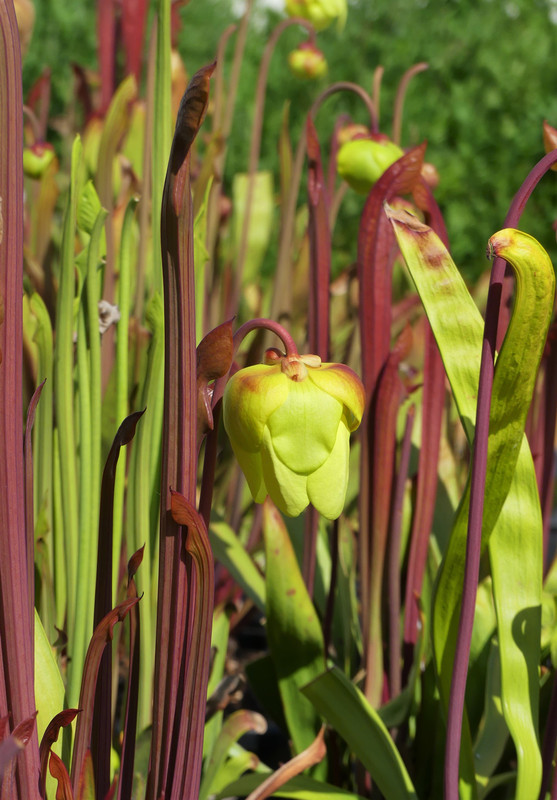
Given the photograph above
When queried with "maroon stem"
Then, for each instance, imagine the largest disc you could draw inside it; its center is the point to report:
(270, 325)
(330, 607)
(399, 100)
(311, 522)
(348, 86)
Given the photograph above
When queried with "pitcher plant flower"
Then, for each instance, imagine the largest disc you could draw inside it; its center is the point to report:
(321, 13)
(362, 160)
(289, 422)
(307, 61)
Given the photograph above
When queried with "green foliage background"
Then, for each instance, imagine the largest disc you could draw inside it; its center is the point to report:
(492, 81)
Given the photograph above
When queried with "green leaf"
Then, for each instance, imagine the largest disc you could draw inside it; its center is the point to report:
(293, 629)
(88, 208)
(229, 550)
(346, 709)
(200, 258)
(260, 221)
(236, 725)
(300, 788)
(49, 689)
(493, 734)
(512, 516)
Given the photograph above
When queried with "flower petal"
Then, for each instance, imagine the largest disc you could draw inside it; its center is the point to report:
(342, 383)
(286, 489)
(250, 464)
(327, 486)
(304, 427)
(250, 397)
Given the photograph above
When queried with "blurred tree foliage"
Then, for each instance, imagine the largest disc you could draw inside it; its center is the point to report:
(491, 82)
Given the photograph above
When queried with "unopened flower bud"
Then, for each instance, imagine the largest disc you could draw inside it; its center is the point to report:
(307, 61)
(430, 175)
(321, 13)
(37, 159)
(289, 423)
(354, 130)
(361, 162)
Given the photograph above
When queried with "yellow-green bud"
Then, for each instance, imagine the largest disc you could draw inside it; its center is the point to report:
(319, 12)
(307, 61)
(289, 423)
(37, 159)
(361, 162)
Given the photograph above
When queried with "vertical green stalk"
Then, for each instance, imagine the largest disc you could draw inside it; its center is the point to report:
(89, 383)
(143, 488)
(63, 387)
(122, 366)
(42, 430)
(60, 579)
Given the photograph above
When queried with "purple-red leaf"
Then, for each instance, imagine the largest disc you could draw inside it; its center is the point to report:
(179, 443)
(376, 251)
(134, 13)
(214, 357)
(125, 782)
(375, 241)
(102, 635)
(86, 786)
(106, 38)
(49, 737)
(390, 392)
(426, 490)
(134, 563)
(16, 741)
(60, 774)
(101, 731)
(16, 667)
(197, 655)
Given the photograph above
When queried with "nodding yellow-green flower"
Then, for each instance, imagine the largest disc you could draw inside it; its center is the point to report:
(362, 161)
(289, 423)
(307, 61)
(319, 12)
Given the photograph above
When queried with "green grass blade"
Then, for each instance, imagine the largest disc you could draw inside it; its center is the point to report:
(142, 502)
(63, 387)
(346, 709)
(122, 368)
(89, 389)
(42, 430)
